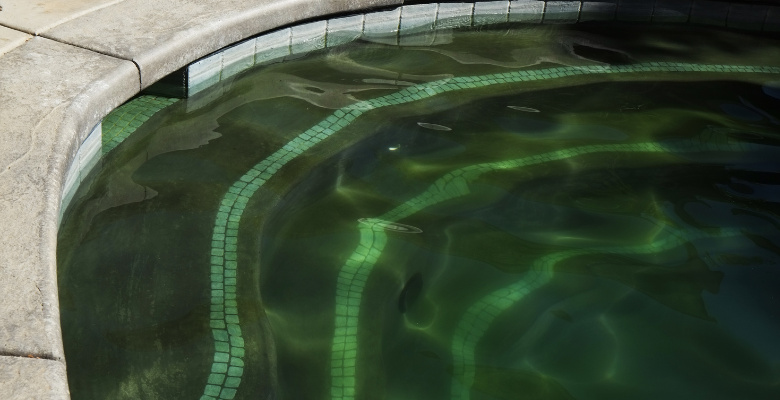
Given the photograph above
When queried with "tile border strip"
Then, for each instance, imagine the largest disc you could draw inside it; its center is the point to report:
(353, 275)
(391, 27)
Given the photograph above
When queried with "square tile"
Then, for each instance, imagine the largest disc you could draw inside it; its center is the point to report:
(529, 11)
(238, 58)
(490, 12)
(454, 15)
(417, 25)
(597, 11)
(561, 12)
(418, 18)
(90, 152)
(70, 185)
(273, 47)
(204, 73)
(382, 27)
(672, 10)
(344, 30)
(308, 37)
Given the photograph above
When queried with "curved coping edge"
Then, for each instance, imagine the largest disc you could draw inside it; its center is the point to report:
(191, 44)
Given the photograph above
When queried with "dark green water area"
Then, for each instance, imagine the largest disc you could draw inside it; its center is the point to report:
(606, 230)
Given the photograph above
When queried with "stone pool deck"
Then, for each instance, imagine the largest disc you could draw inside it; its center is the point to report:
(64, 64)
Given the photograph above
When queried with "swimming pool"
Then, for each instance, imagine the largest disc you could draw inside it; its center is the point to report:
(600, 121)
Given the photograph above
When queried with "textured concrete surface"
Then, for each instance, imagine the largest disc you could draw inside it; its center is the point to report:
(10, 39)
(41, 132)
(35, 17)
(24, 378)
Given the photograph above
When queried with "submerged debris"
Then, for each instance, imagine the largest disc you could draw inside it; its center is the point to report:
(389, 225)
(435, 127)
(525, 109)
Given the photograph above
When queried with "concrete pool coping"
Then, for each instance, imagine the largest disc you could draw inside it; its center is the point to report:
(66, 65)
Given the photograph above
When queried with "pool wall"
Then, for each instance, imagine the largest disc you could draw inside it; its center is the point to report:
(415, 25)
(406, 25)
(64, 65)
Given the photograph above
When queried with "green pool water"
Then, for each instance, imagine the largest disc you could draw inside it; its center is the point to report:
(568, 213)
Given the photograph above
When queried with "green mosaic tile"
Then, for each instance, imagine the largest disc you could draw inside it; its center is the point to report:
(216, 379)
(227, 393)
(219, 368)
(212, 390)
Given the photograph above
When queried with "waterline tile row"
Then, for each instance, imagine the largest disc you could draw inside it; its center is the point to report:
(117, 126)
(417, 25)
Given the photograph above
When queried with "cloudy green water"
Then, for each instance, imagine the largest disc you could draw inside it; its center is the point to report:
(590, 236)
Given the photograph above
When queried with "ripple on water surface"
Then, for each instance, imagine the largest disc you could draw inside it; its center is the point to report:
(568, 237)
